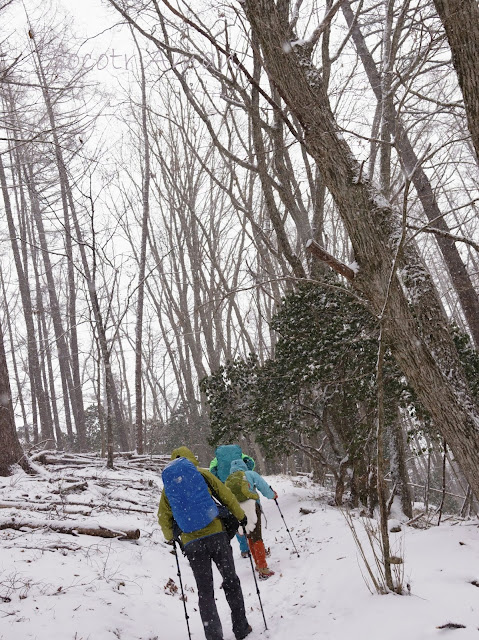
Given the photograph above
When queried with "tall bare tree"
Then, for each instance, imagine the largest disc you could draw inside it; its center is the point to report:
(461, 23)
(145, 198)
(11, 452)
(39, 394)
(460, 277)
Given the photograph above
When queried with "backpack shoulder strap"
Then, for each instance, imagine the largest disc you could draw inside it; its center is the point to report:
(212, 489)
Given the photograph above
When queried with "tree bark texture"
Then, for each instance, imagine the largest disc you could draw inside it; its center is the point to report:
(73, 528)
(11, 452)
(46, 424)
(460, 278)
(415, 325)
(20, 391)
(460, 19)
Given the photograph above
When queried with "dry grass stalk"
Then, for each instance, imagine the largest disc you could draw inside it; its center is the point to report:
(374, 576)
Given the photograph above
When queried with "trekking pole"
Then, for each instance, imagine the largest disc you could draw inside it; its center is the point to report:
(292, 541)
(182, 592)
(256, 582)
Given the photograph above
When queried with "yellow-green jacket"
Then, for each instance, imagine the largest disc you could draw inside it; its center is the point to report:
(239, 487)
(165, 515)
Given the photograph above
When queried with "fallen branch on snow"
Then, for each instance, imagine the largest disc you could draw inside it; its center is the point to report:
(88, 528)
(47, 506)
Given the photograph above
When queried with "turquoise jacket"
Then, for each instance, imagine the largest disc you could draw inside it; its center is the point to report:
(256, 482)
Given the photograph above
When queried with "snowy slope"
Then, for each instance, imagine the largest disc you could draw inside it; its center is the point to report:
(61, 587)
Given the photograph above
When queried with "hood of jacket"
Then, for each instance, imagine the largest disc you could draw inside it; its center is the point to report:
(184, 452)
(238, 465)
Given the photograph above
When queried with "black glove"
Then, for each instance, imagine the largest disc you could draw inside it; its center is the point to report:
(243, 522)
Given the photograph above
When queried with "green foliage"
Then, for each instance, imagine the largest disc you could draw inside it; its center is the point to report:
(325, 361)
(230, 393)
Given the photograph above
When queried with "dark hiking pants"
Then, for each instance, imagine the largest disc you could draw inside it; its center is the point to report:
(200, 554)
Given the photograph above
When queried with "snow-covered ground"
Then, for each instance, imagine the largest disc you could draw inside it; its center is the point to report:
(62, 587)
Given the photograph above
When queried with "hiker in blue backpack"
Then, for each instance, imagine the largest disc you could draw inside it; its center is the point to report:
(186, 501)
(220, 467)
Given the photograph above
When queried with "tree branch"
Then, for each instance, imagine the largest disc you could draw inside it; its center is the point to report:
(330, 260)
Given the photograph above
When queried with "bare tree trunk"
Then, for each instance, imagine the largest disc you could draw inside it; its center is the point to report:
(466, 506)
(427, 484)
(443, 494)
(21, 400)
(10, 452)
(109, 417)
(461, 23)
(386, 103)
(399, 473)
(63, 355)
(383, 512)
(102, 336)
(145, 196)
(99, 404)
(34, 362)
(43, 339)
(271, 207)
(460, 278)
(67, 364)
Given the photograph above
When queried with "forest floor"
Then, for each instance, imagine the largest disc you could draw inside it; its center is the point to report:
(58, 586)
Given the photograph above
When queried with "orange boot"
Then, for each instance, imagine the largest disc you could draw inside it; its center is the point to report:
(259, 554)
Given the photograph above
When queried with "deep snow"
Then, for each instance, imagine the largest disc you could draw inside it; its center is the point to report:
(99, 589)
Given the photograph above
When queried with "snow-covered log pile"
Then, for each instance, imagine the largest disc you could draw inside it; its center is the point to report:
(88, 527)
(75, 494)
(126, 459)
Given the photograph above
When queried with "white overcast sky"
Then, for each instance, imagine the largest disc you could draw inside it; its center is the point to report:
(107, 50)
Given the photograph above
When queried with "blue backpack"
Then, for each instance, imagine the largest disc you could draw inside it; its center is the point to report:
(191, 503)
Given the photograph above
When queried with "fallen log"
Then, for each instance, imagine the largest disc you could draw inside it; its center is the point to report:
(46, 547)
(70, 462)
(84, 510)
(79, 486)
(131, 455)
(47, 456)
(75, 528)
(47, 506)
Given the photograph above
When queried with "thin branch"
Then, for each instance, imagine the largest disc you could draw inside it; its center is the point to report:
(444, 234)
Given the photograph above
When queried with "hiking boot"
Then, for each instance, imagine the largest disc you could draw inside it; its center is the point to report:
(245, 554)
(264, 574)
(245, 633)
